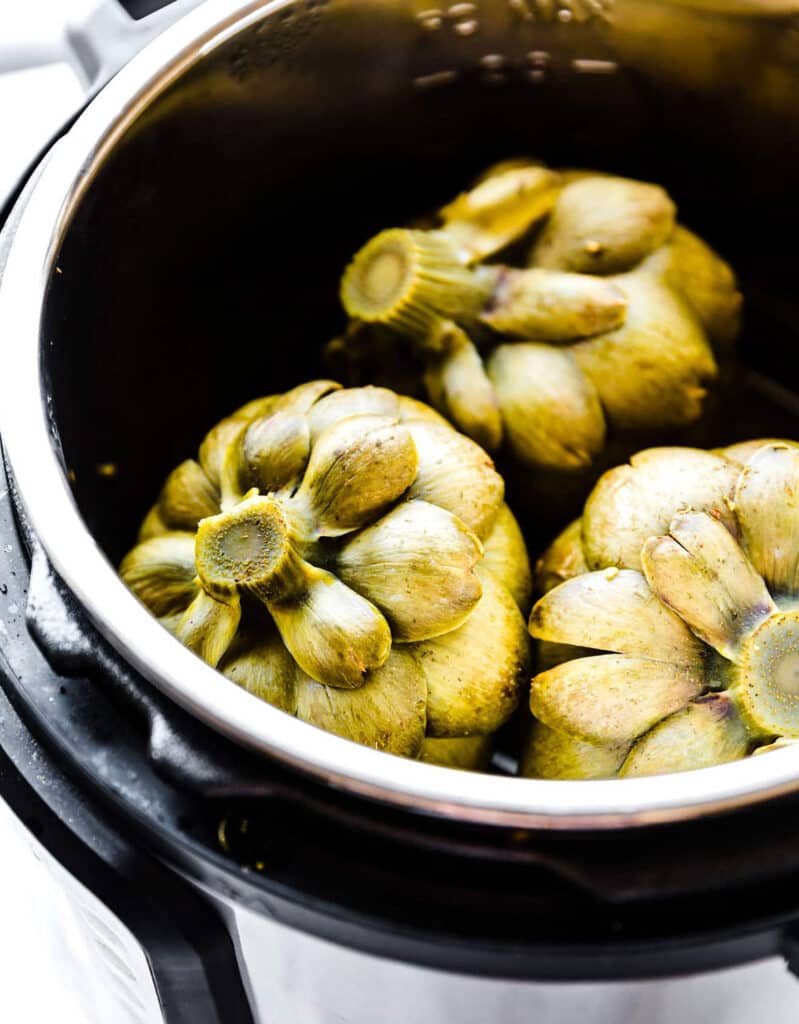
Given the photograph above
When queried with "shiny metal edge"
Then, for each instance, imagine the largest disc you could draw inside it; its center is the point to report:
(520, 803)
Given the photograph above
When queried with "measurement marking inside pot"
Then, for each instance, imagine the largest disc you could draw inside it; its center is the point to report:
(439, 78)
(584, 66)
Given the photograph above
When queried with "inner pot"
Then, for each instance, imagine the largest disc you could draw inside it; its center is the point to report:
(179, 253)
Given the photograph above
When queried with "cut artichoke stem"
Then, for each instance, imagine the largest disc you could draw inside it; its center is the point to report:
(550, 305)
(409, 279)
(249, 547)
(766, 678)
(209, 624)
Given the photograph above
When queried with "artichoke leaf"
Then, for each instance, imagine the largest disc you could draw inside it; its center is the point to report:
(416, 564)
(387, 712)
(550, 410)
(457, 475)
(611, 699)
(475, 673)
(614, 610)
(358, 467)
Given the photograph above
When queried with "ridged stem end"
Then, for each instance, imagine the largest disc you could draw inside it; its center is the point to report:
(409, 280)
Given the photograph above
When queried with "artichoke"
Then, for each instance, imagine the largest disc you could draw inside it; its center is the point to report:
(347, 556)
(669, 623)
(605, 310)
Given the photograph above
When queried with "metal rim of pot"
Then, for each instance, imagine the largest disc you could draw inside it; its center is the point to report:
(66, 175)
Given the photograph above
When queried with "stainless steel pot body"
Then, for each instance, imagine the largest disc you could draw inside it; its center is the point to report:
(179, 248)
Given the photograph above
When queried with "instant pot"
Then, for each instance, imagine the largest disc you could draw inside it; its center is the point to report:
(180, 241)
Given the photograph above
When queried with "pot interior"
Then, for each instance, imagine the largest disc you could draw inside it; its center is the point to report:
(200, 267)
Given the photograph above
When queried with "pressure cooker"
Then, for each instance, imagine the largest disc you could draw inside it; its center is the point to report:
(184, 234)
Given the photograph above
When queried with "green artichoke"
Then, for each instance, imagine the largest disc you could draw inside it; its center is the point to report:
(345, 555)
(604, 313)
(669, 623)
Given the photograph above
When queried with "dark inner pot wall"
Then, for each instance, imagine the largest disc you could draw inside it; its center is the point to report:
(201, 267)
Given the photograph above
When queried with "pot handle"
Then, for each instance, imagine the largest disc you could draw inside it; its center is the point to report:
(185, 752)
(96, 38)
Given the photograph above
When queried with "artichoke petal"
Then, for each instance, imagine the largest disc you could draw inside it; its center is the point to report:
(416, 564)
(767, 509)
(475, 673)
(631, 503)
(456, 474)
(467, 753)
(500, 209)
(652, 371)
(701, 573)
(387, 712)
(339, 405)
(562, 560)
(505, 556)
(604, 225)
(555, 755)
(209, 625)
(215, 443)
(273, 452)
(300, 399)
(457, 383)
(611, 699)
(161, 572)
(153, 525)
(412, 409)
(707, 283)
(358, 468)
(551, 305)
(335, 635)
(550, 410)
(614, 610)
(706, 733)
(187, 497)
(743, 451)
(265, 669)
